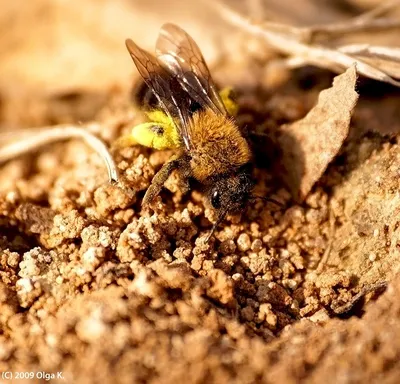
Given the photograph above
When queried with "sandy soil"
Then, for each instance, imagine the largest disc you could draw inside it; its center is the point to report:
(95, 287)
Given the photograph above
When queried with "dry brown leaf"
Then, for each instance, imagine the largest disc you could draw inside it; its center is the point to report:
(310, 144)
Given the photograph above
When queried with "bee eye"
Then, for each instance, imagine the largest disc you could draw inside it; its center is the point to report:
(215, 201)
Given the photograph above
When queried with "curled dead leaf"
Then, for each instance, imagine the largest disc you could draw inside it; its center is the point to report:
(310, 144)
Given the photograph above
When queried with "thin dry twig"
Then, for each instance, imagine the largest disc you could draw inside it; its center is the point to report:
(367, 21)
(31, 139)
(374, 51)
(377, 11)
(289, 40)
(386, 59)
(309, 34)
(372, 288)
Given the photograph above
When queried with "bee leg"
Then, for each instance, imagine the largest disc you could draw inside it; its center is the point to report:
(184, 185)
(160, 178)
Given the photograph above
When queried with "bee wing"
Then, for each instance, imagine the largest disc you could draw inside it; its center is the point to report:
(182, 56)
(165, 86)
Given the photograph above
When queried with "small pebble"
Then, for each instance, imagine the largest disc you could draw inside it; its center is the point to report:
(244, 242)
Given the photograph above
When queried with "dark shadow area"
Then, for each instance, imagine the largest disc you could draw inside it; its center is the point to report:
(14, 240)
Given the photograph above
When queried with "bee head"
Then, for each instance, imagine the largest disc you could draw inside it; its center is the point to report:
(229, 193)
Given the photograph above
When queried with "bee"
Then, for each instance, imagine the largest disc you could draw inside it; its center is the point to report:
(195, 120)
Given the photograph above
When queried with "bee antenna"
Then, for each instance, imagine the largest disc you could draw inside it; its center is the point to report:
(211, 233)
(220, 218)
(269, 199)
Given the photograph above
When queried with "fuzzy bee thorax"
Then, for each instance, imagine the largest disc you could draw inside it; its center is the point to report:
(219, 145)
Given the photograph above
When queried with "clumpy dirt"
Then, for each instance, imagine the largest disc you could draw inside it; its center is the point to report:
(95, 287)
